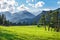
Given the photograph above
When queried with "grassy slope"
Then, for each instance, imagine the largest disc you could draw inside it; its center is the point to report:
(27, 33)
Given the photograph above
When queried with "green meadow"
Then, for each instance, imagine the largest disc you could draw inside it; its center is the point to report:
(27, 33)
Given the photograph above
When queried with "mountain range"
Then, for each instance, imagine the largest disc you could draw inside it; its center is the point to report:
(19, 17)
(24, 17)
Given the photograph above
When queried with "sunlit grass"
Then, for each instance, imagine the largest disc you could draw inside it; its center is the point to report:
(27, 33)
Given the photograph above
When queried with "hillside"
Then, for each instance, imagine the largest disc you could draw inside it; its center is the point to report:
(46, 13)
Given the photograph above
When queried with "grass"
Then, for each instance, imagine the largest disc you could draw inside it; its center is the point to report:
(27, 33)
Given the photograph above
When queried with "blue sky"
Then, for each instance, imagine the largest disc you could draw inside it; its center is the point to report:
(48, 3)
(29, 5)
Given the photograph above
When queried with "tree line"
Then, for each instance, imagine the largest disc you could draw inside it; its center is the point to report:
(3, 20)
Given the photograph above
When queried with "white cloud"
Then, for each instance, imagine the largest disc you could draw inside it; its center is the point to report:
(22, 8)
(8, 5)
(32, 0)
(32, 5)
(27, 1)
(58, 2)
(46, 9)
(37, 5)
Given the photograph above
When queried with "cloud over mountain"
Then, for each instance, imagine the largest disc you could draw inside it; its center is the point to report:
(30, 5)
(7, 5)
(22, 8)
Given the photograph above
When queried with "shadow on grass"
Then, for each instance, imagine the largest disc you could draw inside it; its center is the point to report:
(8, 36)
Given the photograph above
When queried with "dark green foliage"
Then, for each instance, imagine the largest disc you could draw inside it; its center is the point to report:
(52, 19)
(38, 25)
(3, 20)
